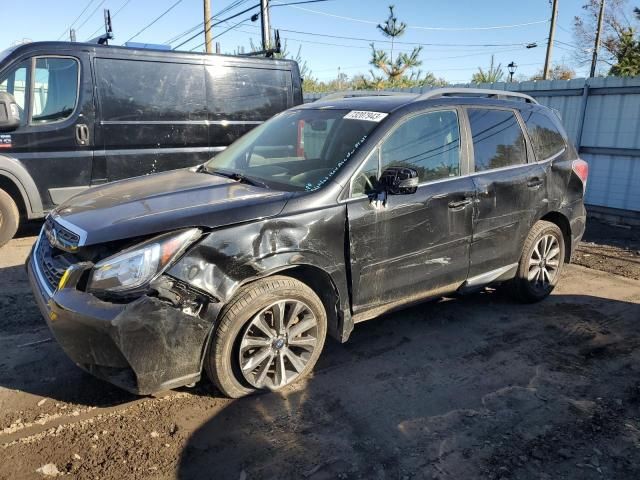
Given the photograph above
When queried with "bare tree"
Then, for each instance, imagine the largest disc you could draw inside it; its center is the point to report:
(557, 72)
(616, 24)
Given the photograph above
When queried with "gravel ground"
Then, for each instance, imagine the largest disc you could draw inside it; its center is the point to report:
(474, 387)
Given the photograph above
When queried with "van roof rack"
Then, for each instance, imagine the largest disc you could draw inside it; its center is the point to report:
(361, 93)
(475, 92)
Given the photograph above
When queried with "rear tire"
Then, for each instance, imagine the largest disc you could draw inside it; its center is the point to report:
(540, 264)
(9, 217)
(251, 350)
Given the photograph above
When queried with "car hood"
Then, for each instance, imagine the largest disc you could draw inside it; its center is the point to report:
(162, 202)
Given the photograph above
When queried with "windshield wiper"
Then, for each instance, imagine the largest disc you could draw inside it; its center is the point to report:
(237, 176)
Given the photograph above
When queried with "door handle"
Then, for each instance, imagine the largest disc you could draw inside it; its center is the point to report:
(460, 204)
(534, 182)
(82, 134)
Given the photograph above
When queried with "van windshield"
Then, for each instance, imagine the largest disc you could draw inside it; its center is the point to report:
(297, 150)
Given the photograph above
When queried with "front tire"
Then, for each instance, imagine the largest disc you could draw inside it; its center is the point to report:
(9, 217)
(269, 336)
(540, 264)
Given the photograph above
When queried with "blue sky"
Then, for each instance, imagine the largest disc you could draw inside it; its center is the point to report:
(325, 54)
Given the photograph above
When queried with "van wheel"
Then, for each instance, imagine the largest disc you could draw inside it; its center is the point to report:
(269, 336)
(9, 218)
(540, 264)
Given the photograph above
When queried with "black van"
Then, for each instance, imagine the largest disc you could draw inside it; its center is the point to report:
(75, 115)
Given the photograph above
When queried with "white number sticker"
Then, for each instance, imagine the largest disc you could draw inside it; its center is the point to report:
(363, 115)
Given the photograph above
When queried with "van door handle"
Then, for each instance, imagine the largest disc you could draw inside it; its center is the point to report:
(534, 182)
(460, 204)
(82, 134)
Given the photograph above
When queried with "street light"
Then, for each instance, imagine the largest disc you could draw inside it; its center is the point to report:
(512, 69)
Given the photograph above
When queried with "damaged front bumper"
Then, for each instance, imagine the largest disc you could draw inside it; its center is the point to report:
(144, 346)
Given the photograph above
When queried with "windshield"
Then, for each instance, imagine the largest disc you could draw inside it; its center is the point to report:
(296, 150)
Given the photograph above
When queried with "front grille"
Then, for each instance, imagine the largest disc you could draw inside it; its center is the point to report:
(60, 236)
(51, 265)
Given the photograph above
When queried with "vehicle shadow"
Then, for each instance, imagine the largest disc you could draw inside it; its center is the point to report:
(30, 359)
(29, 228)
(602, 233)
(450, 389)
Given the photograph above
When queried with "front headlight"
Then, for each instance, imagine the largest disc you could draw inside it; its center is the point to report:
(138, 265)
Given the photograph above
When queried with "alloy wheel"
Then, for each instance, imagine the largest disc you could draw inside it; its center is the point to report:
(544, 262)
(277, 344)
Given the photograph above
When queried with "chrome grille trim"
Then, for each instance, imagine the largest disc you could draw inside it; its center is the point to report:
(36, 267)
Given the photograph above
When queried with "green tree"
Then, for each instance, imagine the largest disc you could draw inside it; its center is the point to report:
(627, 56)
(492, 75)
(393, 68)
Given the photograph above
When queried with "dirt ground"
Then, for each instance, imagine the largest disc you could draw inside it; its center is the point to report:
(473, 387)
(610, 248)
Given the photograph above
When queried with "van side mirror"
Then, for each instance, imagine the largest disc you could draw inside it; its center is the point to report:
(399, 180)
(9, 113)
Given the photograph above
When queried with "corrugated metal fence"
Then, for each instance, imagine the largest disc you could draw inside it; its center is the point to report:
(602, 117)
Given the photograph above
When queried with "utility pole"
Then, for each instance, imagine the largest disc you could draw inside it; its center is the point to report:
(596, 47)
(264, 15)
(552, 31)
(207, 26)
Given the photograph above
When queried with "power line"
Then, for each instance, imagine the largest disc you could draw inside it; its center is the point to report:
(215, 24)
(77, 18)
(158, 18)
(368, 47)
(93, 12)
(407, 43)
(226, 9)
(220, 34)
(237, 15)
(126, 2)
(445, 29)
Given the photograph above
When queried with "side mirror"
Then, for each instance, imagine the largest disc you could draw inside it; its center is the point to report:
(400, 180)
(9, 113)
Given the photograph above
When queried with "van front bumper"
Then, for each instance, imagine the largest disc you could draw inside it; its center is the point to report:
(144, 346)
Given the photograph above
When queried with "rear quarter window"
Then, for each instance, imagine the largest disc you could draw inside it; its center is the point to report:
(132, 90)
(545, 136)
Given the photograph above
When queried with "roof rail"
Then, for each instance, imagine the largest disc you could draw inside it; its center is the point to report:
(475, 92)
(360, 93)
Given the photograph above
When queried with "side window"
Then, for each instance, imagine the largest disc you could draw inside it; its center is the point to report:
(428, 143)
(55, 89)
(131, 90)
(15, 83)
(498, 140)
(365, 181)
(545, 136)
(249, 94)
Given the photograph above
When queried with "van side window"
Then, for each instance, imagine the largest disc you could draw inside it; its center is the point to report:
(15, 83)
(428, 143)
(134, 90)
(545, 136)
(55, 89)
(250, 94)
(498, 140)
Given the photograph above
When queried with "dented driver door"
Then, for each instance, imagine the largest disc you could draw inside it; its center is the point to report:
(407, 247)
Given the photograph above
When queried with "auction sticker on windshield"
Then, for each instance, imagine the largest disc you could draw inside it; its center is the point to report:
(363, 115)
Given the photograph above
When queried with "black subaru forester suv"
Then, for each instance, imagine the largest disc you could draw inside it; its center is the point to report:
(328, 214)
